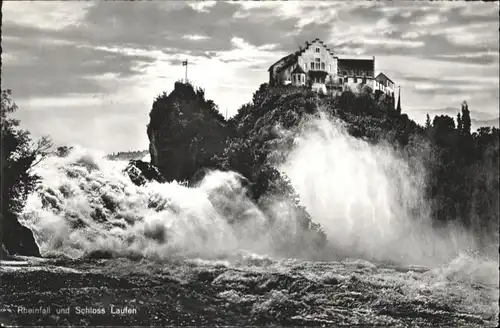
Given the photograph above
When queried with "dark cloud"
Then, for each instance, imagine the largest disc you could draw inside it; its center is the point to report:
(479, 59)
(43, 62)
(149, 25)
(458, 17)
(446, 86)
(57, 69)
(162, 26)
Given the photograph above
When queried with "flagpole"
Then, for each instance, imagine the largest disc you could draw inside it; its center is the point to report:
(186, 71)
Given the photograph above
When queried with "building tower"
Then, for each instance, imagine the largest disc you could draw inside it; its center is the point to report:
(398, 108)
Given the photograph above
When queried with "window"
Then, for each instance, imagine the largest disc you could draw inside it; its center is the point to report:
(316, 63)
(317, 50)
(312, 65)
(364, 80)
(344, 73)
(340, 80)
(323, 66)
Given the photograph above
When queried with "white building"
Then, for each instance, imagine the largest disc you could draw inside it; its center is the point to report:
(384, 84)
(317, 67)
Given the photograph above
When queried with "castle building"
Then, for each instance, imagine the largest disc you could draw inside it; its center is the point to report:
(384, 84)
(317, 67)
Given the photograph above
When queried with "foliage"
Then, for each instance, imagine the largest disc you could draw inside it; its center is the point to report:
(19, 155)
(464, 185)
(462, 167)
(127, 155)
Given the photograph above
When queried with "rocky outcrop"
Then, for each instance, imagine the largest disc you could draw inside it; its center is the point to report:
(18, 239)
(4, 255)
(141, 172)
(63, 151)
(185, 132)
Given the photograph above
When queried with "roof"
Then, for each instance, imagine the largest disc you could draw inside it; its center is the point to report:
(298, 70)
(291, 58)
(351, 56)
(349, 64)
(287, 61)
(308, 44)
(383, 75)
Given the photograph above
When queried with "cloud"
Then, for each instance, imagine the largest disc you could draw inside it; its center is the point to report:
(410, 35)
(394, 43)
(45, 14)
(195, 37)
(39, 69)
(90, 66)
(430, 19)
(202, 6)
(482, 58)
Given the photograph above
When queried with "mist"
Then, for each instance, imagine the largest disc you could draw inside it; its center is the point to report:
(368, 197)
(87, 206)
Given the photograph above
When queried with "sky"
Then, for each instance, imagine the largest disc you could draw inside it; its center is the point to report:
(87, 72)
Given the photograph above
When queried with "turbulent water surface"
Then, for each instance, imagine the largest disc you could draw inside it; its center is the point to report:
(251, 291)
(161, 254)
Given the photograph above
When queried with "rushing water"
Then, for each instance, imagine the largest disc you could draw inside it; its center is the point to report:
(384, 263)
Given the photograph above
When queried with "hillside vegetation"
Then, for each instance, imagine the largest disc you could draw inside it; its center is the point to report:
(187, 135)
(19, 154)
(127, 155)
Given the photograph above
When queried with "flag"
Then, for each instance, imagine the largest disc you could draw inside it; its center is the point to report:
(184, 63)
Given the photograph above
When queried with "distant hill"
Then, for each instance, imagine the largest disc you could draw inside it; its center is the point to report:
(494, 122)
(127, 155)
(478, 119)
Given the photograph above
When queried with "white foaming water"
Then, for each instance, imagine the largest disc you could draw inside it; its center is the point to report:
(368, 198)
(86, 203)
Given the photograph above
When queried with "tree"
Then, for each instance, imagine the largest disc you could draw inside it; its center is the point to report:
(466, 121)
(459, 123)
(19, 154)
(347, 100)
(428, 123)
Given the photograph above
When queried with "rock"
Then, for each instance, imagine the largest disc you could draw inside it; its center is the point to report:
(4, 255)
(18, 239)
(141, 172)
(63, 151)
(185, 133)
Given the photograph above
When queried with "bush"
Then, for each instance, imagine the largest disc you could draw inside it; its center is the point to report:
(19, 155)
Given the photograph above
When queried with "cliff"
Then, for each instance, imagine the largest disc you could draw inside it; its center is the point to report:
(184, 132)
